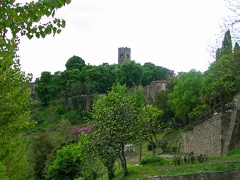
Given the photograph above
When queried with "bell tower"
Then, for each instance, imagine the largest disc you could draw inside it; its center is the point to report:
(124, 54)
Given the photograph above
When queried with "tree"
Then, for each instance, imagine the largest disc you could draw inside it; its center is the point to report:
(236, 65)
(116, 120)
(40, 147)
(153, 73)
(20, 19)
(161, 103)
(100, 77)
(184, 99)
(72, 161)
(75, 62)
(129, 73)
(43, 88)
(153, 124)
(226, 44)
(219, 82)
(221, 77)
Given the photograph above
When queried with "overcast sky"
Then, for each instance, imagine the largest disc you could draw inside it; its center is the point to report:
(171, 33)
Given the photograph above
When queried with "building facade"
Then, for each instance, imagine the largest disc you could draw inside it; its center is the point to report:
(124, 54)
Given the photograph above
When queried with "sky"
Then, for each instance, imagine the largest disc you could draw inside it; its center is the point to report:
(171, 33)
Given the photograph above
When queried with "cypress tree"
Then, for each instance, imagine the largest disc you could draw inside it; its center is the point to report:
(226, 44)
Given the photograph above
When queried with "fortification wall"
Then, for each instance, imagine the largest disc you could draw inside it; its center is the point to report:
(223, 175)
(207, 137)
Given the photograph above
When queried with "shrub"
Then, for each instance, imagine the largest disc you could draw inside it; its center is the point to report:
(149, 147)
(201, 158)
(159, 161)
(174, 149)
(188, 128)
(163, 144)
(177, 160)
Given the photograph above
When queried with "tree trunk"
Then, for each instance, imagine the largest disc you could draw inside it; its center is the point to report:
(153, 147)
(140, 151)
(110, 171)
(123, 161)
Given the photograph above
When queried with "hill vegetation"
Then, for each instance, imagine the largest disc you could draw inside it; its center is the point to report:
(87, 115)
(84, 120)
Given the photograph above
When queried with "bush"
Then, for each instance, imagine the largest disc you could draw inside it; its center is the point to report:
(159, 161)
(177, 160)
(188, 128)
(163, 144)
(201, 158)
(149, 147)
(174, 149)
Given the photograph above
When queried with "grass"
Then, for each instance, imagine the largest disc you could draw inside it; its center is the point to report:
(213, 164)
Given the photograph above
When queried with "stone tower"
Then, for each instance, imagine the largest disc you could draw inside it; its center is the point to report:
(124, 54)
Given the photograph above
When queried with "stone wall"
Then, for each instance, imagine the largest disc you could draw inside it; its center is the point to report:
(152, 89)
(223, 175)
(206, 137)
(216, 135)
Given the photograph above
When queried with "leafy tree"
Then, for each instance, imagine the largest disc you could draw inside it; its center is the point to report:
(129, 73)
(117, 121)
(43, 88)
(40, 146)
(75, 62)
(72, 161)
(220, 79)
(14, 112)
(236, 65)
(153, 125)
(153, 73)
(219, 82)
(226, 44)
(160, 102)
(18, 19)
(184, 99)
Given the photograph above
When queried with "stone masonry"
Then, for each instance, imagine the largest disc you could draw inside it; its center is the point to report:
(216, 135)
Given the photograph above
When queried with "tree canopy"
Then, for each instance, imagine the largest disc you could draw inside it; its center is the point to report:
(19, 19)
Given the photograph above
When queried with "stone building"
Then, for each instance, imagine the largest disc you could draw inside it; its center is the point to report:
(124, 54)
(152, 89)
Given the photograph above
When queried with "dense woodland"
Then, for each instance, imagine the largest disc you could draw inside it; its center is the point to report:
(54, 135)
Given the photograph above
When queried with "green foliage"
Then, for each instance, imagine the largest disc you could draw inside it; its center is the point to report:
(188, 127)
(100, 77)
(221, 78)
(184, 99)
(23, 19)
(153, 73)
(3, 172)
(152, 126)
(151, 146)
(72, 161)
(75, 62)
(40, 146)
(129, 73)
(117, 120)
(233, 152)
(157, 161)
(163, 144)
(226, 44)
(43, 88)
(16, 163)
(161, 103)
(177, 160)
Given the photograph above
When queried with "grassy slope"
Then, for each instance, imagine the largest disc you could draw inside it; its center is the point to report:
(213, 164)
